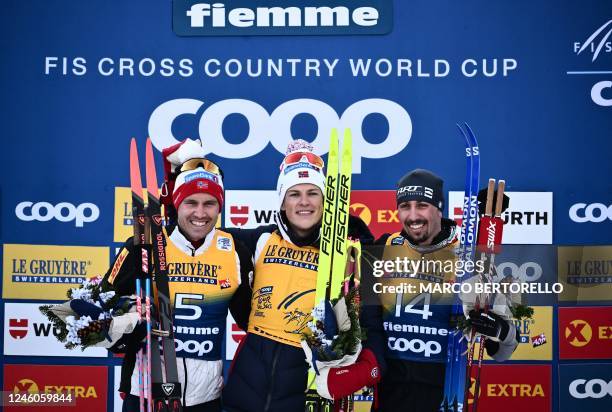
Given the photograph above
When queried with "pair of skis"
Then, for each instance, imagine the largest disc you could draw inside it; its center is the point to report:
(333, 250)
(456, 363)
(163, 390)
(334, 227)
(459, 367)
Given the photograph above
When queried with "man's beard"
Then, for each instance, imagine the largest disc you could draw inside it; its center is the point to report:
(420, 238)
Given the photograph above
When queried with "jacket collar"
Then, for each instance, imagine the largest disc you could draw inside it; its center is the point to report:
(183, 244)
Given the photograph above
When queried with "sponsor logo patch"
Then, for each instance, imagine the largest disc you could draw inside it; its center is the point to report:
(30, 333)
(52, 269)
(224, 243)
(585, 332)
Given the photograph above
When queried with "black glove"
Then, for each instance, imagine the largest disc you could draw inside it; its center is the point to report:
(489, 324)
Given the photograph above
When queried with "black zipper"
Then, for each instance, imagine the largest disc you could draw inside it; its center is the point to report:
(185, 386)
(273, 372)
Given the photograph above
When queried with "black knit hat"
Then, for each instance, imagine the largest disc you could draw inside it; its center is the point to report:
(423, 186)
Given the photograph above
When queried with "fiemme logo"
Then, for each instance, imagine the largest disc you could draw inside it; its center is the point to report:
(278, 17)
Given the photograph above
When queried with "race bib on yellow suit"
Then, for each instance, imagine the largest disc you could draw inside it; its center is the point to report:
(417, 322)
(283, 290)
(200, 291)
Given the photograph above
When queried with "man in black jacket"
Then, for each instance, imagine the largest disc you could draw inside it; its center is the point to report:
(415, 347)
(208, 271)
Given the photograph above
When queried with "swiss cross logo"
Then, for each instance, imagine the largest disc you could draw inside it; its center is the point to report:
(239, 215)
(18, 328)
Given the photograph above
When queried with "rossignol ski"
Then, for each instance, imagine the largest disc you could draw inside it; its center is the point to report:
(162, 394)
(166, 393)
(456, 364)
(143, 251)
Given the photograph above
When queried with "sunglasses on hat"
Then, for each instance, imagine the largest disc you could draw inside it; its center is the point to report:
(206, 164)
(297, 157)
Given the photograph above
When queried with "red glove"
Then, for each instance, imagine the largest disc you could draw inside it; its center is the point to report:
(346, 380)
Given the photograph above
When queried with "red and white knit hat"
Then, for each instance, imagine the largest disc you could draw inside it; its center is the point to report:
(195, 180)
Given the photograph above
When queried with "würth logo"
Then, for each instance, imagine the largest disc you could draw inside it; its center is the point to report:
(18, 328)
(239, 215)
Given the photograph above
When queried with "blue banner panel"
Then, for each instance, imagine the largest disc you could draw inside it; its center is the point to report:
(535, 87)
(585, 387)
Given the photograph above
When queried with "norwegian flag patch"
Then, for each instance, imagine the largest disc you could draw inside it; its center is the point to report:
(303, 174)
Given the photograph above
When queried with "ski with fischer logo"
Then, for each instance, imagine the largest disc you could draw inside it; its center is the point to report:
(333, 251)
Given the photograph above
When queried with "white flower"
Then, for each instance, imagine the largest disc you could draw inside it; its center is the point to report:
(106, 296)
(82, 293)
(74, 326)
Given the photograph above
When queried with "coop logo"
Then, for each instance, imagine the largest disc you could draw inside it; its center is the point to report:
(593, 388)
(586, 386)
(194, 347)
(64, 212)
(331, 17)
(593, 213)
(525, 272)
(415, 346)
(275, 128)
(597, 93)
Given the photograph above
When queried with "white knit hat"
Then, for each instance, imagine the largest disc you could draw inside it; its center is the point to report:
(300, 165)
